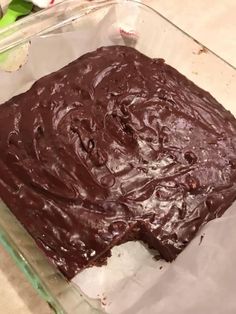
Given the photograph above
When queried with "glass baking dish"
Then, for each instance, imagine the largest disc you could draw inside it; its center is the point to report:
(84, 26)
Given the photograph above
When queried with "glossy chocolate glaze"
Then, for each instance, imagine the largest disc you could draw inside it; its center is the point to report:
(115, 147)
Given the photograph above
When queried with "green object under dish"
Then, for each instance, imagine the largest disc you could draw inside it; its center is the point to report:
(16, 9)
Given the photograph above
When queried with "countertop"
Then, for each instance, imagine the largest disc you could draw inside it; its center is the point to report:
(212, 22)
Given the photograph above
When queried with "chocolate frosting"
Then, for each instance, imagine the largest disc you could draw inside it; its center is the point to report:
(114, 147)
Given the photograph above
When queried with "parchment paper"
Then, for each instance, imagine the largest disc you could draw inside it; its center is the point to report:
(202, 280)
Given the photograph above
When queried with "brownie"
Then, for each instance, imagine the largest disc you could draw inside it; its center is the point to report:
(115, 147)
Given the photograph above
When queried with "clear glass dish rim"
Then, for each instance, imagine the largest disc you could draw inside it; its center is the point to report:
(21, 32)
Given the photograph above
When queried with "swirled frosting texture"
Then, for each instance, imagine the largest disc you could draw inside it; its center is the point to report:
(115, 147)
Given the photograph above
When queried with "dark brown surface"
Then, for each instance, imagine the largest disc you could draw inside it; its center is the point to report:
(114, 147)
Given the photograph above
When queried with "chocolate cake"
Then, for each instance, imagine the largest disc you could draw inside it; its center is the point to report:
(115, 147)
